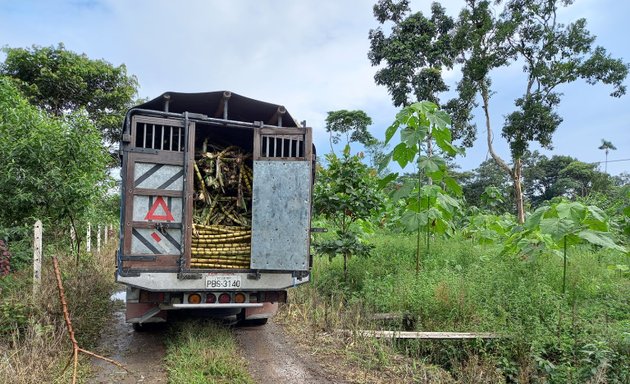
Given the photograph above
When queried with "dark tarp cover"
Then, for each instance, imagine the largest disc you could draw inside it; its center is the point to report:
(240, 108)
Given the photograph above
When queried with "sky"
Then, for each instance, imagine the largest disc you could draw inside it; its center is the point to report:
(311, 57)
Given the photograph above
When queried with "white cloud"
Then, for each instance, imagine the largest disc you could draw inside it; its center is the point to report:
(309, 55)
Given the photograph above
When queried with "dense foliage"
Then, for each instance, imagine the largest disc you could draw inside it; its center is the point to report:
(60, 81)
(53, 168)
(345, 194)
(489, 35)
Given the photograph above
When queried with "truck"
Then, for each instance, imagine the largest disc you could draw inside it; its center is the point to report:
(215, 213)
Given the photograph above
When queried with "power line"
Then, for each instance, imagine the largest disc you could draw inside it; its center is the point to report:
(610, 161)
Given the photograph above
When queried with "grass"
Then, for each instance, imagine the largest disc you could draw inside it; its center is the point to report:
(34, 345)
(581, 336)
(204, 352)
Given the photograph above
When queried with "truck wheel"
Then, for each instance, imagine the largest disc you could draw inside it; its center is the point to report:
(138, 327)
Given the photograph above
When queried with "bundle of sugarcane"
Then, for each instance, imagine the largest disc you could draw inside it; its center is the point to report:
(219, 246)
(222, 218)
(223, 185)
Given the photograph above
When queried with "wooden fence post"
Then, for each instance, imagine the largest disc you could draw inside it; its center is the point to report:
(88, 242)
(106, 233)
(37, 257)
(98, 238)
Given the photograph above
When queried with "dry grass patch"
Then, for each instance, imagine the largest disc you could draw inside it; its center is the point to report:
(312, 322)
(34, 345)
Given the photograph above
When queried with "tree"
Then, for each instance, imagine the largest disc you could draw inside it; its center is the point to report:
(560, 176)
(416, 52)
(486, 175)
(352, 124)
(606, 146)
(60, 82)
(492, 34)
(553, 54)
(345, 193)
(53, 168)
(428, 207)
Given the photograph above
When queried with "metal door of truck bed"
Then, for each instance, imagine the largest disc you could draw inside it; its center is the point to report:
(281, 208)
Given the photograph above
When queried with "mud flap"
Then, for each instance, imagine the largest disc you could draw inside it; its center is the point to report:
(145, 313)
(264, 312)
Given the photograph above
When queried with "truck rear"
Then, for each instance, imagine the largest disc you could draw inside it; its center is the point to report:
(215, 206)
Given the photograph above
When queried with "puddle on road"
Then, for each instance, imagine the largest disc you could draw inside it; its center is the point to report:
(118, 296)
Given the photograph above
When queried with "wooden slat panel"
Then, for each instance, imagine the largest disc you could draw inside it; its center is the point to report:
(423, 335)
(161, 261)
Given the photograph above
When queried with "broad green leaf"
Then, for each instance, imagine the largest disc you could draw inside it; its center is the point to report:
(453, 186)
(382, 183)
(430, 191)
(403, 155)
(572, 210)
(411, 220)
(430, 164)
(557, 228)
(412, 136)
(423, 107)
(533, 221)
(391, 130)
(602, 239)
(439, 119)
(404, 190)
(447, 202)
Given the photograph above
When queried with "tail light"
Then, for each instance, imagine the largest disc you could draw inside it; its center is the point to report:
(211, 298)
(194, 298)
(224, 298)
(239, 298)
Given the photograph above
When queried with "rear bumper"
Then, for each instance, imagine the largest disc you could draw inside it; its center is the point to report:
(154, 281)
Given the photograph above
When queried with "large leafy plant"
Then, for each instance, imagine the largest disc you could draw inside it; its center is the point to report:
(560, 225)
(428, 198)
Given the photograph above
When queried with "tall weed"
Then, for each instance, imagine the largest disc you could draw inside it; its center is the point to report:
(548, 336)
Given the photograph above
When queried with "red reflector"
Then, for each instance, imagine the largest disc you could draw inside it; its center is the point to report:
(211, 298)
(224, 298)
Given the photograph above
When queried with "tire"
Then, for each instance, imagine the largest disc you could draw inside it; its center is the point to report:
(139, 327)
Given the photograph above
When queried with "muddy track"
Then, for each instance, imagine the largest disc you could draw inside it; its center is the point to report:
(141, 352)
(273, 359)
(270, 353)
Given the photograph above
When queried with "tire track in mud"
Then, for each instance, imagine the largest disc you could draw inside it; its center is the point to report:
(271, 355)
(141, 352)
(273, 359)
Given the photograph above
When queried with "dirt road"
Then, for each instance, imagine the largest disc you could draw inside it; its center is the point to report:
(141, 352)
(270, 353)
(274, 360)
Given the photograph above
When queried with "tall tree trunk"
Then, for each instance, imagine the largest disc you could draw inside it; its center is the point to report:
(518, 191)
(515, 173)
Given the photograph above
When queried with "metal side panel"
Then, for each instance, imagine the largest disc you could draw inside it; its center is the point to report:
(281, 215)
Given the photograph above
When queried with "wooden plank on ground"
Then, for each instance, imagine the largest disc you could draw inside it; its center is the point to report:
(423, 335)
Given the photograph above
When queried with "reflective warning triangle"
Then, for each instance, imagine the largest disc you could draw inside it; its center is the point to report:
(166, 213)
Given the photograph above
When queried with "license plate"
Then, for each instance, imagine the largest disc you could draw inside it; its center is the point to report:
(223, 281)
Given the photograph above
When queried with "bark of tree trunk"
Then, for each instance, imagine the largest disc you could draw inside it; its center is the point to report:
(515, 172)
(518, 191)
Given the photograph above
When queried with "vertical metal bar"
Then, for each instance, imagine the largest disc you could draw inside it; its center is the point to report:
(170, 142)
(144, 136)
(266, 138)
(282, 149)
(181, 260)
(179, 139)
(290, 147)
(153, 136)
(162, 141)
